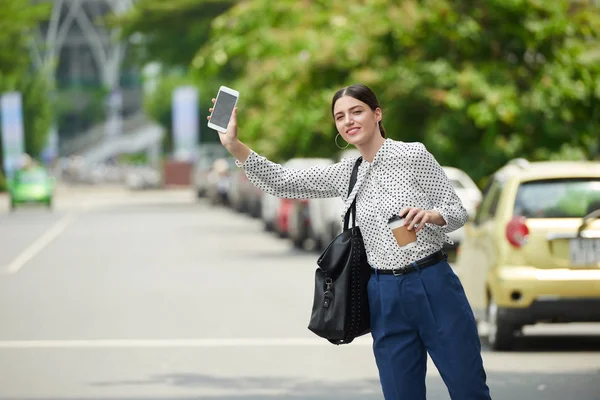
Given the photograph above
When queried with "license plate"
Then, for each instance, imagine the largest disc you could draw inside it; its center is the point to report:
(585, 251)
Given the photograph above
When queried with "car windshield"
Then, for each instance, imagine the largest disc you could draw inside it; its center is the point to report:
(558, 198)
(37, 176)
(457, 184)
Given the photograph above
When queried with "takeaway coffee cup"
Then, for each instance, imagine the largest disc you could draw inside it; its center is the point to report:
(405, 238)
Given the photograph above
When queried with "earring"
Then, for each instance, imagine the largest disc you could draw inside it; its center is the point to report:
(336, 143)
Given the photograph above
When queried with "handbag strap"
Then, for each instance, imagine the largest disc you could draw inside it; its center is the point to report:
(352, 209)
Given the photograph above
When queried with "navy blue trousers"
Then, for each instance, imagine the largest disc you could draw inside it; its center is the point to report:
(425, 312)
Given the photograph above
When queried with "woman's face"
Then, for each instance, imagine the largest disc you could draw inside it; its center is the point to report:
(355, 120)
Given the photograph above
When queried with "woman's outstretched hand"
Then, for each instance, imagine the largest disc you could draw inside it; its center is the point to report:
(229, 137)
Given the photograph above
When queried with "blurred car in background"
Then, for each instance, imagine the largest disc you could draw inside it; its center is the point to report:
(325, 217)
(31, 185)
(139, 177)
(219, 180)
(268, 211)
(243, 195)
(284, 209)
(468, 193)
(206, 156)
(532, 253)
(299, 223)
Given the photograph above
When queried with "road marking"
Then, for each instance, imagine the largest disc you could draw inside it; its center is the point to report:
(169, 343)
(37, 246)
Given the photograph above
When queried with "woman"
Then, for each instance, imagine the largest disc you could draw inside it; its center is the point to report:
(417, 303)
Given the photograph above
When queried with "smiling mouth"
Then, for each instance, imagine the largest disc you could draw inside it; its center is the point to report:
(352, 131)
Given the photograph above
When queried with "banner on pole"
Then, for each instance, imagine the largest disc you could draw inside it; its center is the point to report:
(13, 143)
(185, 123)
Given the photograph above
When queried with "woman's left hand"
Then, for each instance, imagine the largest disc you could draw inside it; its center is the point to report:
(415, 218)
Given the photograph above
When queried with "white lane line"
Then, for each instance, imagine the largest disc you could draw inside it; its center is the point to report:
(37, 246)
(170, 343)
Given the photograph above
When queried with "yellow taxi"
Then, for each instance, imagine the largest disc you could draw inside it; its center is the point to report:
(532, 252)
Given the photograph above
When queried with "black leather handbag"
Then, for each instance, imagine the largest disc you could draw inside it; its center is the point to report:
(340, 310)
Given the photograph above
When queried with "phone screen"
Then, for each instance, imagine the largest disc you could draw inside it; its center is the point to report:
(223, 109)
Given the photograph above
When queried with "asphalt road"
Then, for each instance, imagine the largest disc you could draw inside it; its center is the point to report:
(154, 295)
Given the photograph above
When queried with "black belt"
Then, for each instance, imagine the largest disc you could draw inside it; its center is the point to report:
(424, 262)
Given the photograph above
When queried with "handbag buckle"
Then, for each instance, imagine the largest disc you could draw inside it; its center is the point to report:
(327, 296)
(327, 299)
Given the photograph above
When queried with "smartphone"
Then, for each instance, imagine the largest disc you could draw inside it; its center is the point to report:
(223, 108)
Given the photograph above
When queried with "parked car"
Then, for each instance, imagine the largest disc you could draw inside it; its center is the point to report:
(282, 218)
(31, 185)
(326, 222)
(141, 177)
(243, 195)
(469, 195)
(219, 180)
(532, 253)
(299, 223)
(236, 200)
(206, 156)
(268, 211)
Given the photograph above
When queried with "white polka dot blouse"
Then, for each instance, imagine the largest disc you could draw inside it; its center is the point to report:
(401, 175)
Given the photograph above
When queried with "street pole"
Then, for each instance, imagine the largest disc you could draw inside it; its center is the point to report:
(46, 47)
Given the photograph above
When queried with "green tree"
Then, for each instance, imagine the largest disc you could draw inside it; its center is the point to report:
(37, 112)
(17, 19)
(477, 82)
(171, 31)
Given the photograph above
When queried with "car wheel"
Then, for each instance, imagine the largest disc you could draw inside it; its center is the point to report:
(269, 226)
(256, 210)
(298, 243)
(241, 207)
(318, 244)
(501, 334)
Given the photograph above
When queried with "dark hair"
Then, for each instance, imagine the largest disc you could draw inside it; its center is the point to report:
(362, 93)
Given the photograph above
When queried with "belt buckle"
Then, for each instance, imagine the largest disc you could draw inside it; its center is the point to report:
(400, 272)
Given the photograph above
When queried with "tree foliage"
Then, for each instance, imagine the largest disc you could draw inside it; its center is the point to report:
(171, 30)
(17, 19)
(37, 110)
(478, 82)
